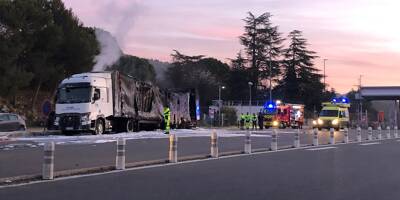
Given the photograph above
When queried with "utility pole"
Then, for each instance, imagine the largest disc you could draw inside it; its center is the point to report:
(359, 90)
(219, 103)
(324, 74)
(250, 84)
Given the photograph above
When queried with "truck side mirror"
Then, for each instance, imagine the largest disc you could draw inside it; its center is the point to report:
(96, 95)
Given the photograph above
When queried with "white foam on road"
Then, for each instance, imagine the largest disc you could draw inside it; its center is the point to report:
(371, 143)
(321, 148)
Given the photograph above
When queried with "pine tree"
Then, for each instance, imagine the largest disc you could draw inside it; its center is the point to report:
(301, 80)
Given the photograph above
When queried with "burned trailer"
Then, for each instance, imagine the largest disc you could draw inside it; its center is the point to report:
(183, 104)
(137, 105)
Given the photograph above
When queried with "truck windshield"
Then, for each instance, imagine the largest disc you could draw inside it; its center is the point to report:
(74, 95)
(328, 113)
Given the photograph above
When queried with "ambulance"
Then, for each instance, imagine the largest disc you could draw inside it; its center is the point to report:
(334, 114)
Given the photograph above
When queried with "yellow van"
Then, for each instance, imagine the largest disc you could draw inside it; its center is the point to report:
(333, 115)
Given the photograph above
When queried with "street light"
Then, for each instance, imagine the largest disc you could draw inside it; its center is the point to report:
(324, 73)
(219, 103)
(250, 84)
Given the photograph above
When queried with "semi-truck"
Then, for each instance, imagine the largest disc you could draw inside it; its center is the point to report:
(111, 101)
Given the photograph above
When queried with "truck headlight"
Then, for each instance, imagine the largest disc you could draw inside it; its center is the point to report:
(335, 122)
(314, 122)
(275, 123)
(320, 122)
(85, 119)
(56, 121)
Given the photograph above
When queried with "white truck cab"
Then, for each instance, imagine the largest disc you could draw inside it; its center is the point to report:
(84, 101)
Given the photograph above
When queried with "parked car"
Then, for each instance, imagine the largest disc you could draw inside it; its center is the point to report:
(11, 122)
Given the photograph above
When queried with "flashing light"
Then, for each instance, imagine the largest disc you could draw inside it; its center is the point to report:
(340, 100)
(278, 102)
(270, 105)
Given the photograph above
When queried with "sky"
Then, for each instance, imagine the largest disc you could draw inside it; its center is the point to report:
(358, 37)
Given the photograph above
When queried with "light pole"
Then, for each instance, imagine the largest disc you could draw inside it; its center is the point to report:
(250, 84)
(324, 74)
(219, 103)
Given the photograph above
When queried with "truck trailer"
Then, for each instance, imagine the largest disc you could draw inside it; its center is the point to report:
(110, 101)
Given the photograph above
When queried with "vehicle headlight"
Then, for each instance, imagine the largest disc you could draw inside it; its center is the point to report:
(314, 122)
(275, 123)
(320, 122)
(85, 119)
(335, 122)
(56, 121)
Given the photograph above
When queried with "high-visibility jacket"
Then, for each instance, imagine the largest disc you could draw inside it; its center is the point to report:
(167, 119)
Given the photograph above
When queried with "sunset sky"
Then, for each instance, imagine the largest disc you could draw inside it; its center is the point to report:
(358, 37)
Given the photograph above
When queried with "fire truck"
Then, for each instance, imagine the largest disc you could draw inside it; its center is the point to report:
(283, 115)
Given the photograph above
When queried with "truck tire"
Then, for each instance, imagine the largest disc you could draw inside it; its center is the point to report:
(99, 129)
(131, 126)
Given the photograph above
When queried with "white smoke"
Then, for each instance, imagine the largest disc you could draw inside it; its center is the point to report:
(110, 51)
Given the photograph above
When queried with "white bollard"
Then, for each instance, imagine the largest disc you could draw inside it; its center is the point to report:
(396, 134)
(296, 143)
(315, 138)
(173, 148)
(214, 144)
(379, 133)
(388, 136)
(48, 161)
(359, 139)
(247, 143)
(346, 135)
(120, 159)
(369, 133)
(274, 140)
(331, 136)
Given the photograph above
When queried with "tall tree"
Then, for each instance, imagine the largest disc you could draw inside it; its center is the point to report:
(263, 47)
(301, 80)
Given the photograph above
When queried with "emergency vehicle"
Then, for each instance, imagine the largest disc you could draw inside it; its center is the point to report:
(289, 115)
(334, 114)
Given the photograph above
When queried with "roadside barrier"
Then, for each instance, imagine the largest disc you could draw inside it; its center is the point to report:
(120, 158)
(315, 138)
(359, 138)
(214, 144)
(346, 135)
(247, 143)
(173, 148)
(296, 143)
(388, 136)
(274, 141)
(48, 161)
(379, 133)
(331, 136)
(396, 134)
(370, 133)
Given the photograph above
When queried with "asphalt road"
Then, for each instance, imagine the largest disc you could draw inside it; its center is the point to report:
(350, 171)
(28, 161)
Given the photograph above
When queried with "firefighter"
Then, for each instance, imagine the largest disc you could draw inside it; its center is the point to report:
(247, 120)
(254, 120)
(260, 120)
(242, 119)
(167, 118)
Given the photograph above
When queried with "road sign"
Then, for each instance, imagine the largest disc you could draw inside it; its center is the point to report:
(211, 113)
(46, 108)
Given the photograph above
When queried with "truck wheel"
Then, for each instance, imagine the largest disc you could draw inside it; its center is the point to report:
(130, 126)
(99, 130)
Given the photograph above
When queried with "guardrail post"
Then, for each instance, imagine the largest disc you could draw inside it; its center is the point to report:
(315, 138)
(370, 133)
(388, 136)
(296, 143)
(120, 159)
(396, 134)
(379, 133)
(247, 143)
(274, 141)
(331, 136)
(48, 161)
(359, 138)
(346, 135)
(173, 148)
(214, 144)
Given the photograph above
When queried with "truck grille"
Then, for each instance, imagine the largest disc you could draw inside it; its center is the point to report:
(68, 122)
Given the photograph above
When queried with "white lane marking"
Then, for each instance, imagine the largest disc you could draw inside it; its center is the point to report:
(322, 148)
(372, 143)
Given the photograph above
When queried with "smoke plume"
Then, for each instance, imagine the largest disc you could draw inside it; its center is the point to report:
(110, 51)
